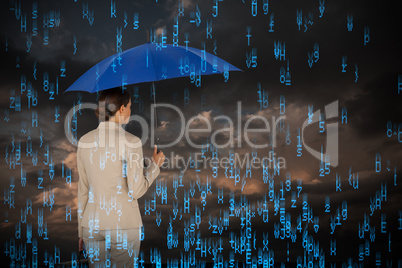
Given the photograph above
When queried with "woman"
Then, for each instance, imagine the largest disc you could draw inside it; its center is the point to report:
(111, 180)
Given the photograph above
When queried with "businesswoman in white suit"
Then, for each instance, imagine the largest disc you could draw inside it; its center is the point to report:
(111, 180)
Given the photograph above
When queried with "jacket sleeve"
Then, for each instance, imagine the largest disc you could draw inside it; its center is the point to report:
(83, 187)
(138, 182)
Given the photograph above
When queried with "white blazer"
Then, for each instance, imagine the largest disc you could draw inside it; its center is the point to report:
(111, 178)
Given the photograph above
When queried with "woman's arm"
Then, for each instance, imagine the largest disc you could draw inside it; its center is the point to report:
(138, 182)
(83, 187)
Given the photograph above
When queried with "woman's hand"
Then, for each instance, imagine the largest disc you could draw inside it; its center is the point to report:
(158, 158)
(81, 245)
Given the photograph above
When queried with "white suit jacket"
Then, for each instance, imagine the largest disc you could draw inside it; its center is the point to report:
(111, 178)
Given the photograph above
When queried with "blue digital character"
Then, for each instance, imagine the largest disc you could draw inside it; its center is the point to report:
(209, 29)
(112, 9)
(350, 23)
(344, 64)
(265, 7)
(321, 8)
(299, 18)
(136, 22)
(366, 35)
(271, 23)
(181, 9)
(195, 17)
(262, 97)
(251, 58)
(248, 35)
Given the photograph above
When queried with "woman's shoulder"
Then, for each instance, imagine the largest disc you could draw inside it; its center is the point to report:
(87, 140)
(89, 136)
(132, 138)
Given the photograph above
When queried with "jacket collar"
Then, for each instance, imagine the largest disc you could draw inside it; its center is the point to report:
(110, 125)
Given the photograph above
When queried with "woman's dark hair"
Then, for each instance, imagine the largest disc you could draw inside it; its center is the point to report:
(110, 101)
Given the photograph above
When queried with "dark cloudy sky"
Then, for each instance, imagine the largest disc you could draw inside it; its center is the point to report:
(371, 102)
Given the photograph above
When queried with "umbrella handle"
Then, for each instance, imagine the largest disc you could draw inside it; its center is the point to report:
(156, 118)
(157, 148)
(81, 256)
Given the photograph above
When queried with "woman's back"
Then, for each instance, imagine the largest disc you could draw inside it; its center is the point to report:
(110, 164)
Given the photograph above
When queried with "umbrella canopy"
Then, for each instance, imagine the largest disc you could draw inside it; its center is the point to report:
(148, 63)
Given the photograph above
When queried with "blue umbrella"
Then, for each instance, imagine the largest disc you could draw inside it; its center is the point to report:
(150, 62)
